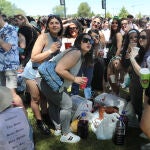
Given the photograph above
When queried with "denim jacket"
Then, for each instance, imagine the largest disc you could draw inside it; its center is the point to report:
(9, 60)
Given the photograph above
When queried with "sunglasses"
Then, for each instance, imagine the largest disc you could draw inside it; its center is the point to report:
(143, 37)
(73, 28)
(86, 40)
(96, 22)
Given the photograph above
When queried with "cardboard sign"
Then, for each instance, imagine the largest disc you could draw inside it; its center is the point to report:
(15, 132)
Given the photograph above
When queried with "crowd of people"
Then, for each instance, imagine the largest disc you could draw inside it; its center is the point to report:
(99, 49)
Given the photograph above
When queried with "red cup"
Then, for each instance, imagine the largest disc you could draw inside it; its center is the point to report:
(67, 45)
(83, 86)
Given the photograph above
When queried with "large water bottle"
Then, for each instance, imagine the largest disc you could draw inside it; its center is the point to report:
(83, 129)
(119, 135)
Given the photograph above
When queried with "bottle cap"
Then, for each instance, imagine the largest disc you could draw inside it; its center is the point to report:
(83, 114)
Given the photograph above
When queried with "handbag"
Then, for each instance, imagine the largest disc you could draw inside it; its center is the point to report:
(48, 73)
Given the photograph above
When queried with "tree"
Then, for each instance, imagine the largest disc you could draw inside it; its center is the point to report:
(139, 15)
(108, 15)
(84, 10)
(123, 13)
(59, 10)
(9, 9)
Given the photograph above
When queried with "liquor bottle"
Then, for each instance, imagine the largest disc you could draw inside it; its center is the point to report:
(83, 129)
(119, 134)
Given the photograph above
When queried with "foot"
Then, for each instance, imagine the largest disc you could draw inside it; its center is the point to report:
(146, 147)
(43, 127)
(57, 132)
(70, 138)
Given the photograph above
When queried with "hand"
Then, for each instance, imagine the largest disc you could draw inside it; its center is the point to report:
(55, 46)
(80, 80)
(133, 54)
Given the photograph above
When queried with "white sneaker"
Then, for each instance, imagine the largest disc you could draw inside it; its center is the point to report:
(142, 135)
(70, 138)
(57, 132)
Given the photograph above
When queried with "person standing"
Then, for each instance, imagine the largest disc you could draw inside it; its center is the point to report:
(9, 58)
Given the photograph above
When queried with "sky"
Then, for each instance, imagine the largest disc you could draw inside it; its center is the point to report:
(45, 7)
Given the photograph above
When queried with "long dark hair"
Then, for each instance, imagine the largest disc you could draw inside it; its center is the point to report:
(88, 57)
(78, 25)
(124, 61)
(50, 17)
(143, 50)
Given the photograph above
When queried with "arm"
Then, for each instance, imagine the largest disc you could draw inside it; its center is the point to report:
(5, 46)
(66, 63)
(22, 41)
(37, 54)
(119, 43)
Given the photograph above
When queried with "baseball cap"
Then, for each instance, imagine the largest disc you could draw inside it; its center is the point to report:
(5, 98)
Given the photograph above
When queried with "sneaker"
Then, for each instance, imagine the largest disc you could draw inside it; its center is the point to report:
(142, 135)
(43, 127)
(146, 147)
(57, 132)
(70, 138)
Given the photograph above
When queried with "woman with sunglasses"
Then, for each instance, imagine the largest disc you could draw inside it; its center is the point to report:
(143, 56)
(60, 103)
(72, 29)
(135, 88)
(46, 46)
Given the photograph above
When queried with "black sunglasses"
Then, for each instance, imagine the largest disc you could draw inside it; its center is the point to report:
(86, 40)
(143, 37)
(73, 28)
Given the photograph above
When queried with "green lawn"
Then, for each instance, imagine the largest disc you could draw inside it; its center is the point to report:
(43, 142)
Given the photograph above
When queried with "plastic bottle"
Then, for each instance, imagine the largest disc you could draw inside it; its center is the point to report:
(125, 120)
(119, 135)
(83, 129)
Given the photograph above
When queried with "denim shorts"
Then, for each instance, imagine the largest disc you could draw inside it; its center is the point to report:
(29, 72)
(8, 78)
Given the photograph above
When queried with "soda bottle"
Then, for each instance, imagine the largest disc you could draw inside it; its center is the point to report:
(83, 128)
(119, 134)
(125, 120)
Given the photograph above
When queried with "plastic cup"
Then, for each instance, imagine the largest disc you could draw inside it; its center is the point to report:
(67, 45)
(145, 77)
(83, 86)
(112, 78)
(136, 49)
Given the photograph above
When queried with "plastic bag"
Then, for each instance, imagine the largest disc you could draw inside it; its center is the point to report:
(105, 128)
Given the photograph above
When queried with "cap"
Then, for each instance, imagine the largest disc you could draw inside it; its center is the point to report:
(5, 98)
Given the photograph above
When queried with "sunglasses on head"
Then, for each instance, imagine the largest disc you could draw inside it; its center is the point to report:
(86, 40)
(143, 37)
(115, 58)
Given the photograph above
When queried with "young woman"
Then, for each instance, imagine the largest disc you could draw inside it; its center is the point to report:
(60, 103)
(144, 41)
(46, 46)
(135, 88)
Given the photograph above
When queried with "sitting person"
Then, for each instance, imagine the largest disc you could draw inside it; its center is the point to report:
(115, 74)
(12, 120)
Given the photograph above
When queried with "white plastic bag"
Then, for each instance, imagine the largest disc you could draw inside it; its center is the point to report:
(106, 99)
(105, 128)
(79, 105)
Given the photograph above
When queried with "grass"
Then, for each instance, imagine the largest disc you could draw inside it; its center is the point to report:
(44, 142)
